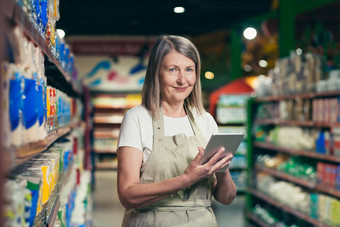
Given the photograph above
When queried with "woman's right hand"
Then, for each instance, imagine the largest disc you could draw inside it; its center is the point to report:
(195, 171)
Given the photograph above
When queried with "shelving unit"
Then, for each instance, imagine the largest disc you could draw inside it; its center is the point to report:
(231, 116)
(264, 147)
(286, 208)
(15, 15)
(256, 219)
(108, 113)
(12, 14)
(309, 154)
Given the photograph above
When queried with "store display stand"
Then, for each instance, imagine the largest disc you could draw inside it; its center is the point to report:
(108, 113)
(256, 147)
(231, 117)
(12, 14)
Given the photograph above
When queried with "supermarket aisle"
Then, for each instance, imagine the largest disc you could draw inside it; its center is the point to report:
(108, 212)
(231, 215)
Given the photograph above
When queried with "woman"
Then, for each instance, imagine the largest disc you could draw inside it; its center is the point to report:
(160, 180)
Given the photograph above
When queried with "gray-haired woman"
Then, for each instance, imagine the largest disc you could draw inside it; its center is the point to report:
(160, 180)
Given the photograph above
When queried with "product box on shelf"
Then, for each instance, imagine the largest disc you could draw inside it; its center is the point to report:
(231, 109)
(296, 74)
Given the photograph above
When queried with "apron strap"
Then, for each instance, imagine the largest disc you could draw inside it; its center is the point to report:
(192, 121)
(158, 125)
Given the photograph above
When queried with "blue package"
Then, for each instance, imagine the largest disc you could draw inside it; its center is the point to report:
(60, 111)
(44, 19)
(40, 105)
(66, 56)
(57, 48)
(320, 143)
(29, 110)
(34, 202)
(61, 52)
(15, 102)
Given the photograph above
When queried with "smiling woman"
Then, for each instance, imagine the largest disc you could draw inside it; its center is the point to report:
(160, 180)
(177, 79)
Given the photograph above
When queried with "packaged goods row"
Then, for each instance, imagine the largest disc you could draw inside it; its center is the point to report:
(50, 178)
(321, 141)
(109, 110)
(116, 101)
(239, 179)
(317, 206)
(43, 15)
(313, 172)
(297, 74)
(231, 109)
(319, 110)
(105, 144)
(32, 108)
(295, 166)
(266, 215)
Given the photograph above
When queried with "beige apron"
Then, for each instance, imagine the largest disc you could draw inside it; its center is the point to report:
(170, 156)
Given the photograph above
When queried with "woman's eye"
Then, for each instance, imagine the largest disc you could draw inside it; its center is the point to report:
(172, 69)
(189, 70)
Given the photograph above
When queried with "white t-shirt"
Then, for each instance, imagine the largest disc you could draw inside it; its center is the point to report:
(137, 129)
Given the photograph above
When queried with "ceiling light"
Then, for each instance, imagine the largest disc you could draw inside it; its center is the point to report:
(249, 33)
(61, 33)
(263, 63)
(247, 68)
(298, 51)
(209, 75)
(179, 9)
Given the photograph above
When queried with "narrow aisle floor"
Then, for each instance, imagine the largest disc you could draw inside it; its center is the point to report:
(108, 212)
(107, 209)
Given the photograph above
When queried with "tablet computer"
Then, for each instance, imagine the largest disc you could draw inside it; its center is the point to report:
(230, 142)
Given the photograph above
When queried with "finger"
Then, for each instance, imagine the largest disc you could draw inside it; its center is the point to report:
(230, 156)
(222, 163)
(216, 156)
(199, 155)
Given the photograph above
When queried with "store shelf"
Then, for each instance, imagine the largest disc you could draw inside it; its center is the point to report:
(327, 189)
(257, 219)
(295, 123)
(286, 208)
(286, 177)
(98, 134)
(310, 95)
(108, 120)
(15, 13)
(18, 156)
(309, 154)
(98, 151)
(50, 218)
(237, 168)
(109, 107)
(232, 124)
(106, 166)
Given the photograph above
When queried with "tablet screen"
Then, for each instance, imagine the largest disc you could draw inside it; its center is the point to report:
(230, 142)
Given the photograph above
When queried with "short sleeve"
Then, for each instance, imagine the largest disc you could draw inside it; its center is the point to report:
(130, 133)
(207, 124)
(212, 123)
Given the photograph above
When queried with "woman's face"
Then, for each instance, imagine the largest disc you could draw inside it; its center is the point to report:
(177, 77)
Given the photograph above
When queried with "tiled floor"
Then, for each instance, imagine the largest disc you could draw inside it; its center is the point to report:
(108, 212)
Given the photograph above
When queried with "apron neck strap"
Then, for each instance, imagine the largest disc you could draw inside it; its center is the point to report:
(158, 122)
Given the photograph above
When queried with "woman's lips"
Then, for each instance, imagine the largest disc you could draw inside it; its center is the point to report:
(180, 89)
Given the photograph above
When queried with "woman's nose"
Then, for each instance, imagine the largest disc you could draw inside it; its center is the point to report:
(180, 77)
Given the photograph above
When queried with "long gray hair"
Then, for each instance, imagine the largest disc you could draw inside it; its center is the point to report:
(151, 93)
